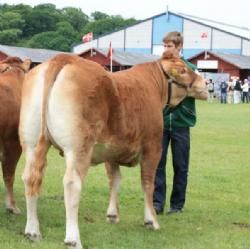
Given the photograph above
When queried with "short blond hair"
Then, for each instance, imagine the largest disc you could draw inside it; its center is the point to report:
(175, 37)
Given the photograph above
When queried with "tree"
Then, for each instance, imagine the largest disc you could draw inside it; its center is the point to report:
(66, 29)
(10, 36)
(75, 17)
(22, 9)
(97, 15)
(43, 40)
(11, 20)
(40, 20)
(60, 40)
(46, 6)
(44, 26)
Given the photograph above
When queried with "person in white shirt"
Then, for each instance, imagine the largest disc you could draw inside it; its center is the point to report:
(245, 89)
(210, 87)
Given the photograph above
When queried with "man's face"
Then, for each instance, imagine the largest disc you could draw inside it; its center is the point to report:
(170, 47)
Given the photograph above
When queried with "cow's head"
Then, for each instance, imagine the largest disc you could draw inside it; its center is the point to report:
(13, 63)
(184, 81)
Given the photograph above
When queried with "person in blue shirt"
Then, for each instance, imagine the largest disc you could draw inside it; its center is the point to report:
(223, 92)
(176, 133)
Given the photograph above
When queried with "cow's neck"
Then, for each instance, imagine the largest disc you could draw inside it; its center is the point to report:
(159, 81)
(153, 74)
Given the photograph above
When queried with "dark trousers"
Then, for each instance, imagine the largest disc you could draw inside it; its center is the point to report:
(179, 138)
(223, 98)
(245, 97)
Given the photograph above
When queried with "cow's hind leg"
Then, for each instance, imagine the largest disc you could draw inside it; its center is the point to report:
(113, 172)
(32, 177)
(77, 167)
(148, 168)
(12, 154)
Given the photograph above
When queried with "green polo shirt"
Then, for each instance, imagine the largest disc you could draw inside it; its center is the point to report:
(184, 115)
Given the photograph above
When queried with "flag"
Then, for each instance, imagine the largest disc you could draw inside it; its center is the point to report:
(204, 35)
(110, 51)
(88, 37)
(110, 56)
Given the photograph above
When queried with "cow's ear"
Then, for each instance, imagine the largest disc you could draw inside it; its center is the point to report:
(167, 55)
(26, 65)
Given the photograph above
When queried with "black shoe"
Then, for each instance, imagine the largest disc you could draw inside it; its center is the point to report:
(158, 210)
(174, 211)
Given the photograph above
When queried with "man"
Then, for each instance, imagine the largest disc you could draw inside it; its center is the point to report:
(210, 87)
(177, 133)
(237, 91)
(245, 89)
(223, 92)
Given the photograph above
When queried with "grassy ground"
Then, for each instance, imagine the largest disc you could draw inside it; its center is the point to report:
(217, 213)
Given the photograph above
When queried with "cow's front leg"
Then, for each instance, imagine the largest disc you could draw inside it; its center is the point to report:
(148, 169)
(114, 175)
(75, 172)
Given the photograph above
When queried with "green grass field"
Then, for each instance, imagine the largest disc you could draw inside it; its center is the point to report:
(217, 213)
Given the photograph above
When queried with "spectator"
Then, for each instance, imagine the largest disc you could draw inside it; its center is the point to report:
(210, 88)
(249, 88)
(245, 90)
(237, 92)
(223, 92)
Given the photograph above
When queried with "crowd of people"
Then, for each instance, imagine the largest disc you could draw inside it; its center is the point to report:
(234, 91)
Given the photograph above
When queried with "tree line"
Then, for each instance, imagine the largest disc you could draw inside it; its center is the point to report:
(45, 26)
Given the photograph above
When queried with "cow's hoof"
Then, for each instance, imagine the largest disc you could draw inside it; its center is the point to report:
(13, 210)
(150, 225)
(72, 244)
(33, 236)
(112, 218)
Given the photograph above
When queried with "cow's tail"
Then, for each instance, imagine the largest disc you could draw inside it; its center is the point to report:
(43, 142)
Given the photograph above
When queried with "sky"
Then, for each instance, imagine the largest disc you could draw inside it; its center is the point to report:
(232, 12)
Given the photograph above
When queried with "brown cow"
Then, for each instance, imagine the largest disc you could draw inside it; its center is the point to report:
(12, 71)
(94, 116)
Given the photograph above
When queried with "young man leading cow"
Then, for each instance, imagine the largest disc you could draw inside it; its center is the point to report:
(176, 132)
